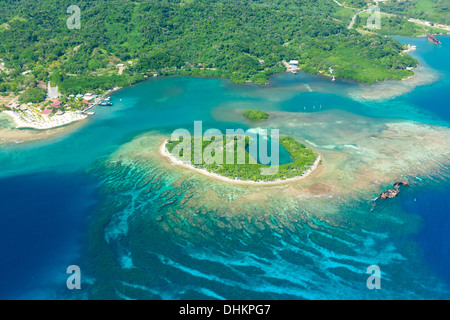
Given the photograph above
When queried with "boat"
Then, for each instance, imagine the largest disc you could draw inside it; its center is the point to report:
(392, 193)
(389, 194)
(400, 183)
(106, 103)
(433, 39)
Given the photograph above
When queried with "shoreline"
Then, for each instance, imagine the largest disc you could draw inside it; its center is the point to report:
(385, 89)
(388, 89)
(56, 121)
(163, 151)
(13, 136)
(48, 124)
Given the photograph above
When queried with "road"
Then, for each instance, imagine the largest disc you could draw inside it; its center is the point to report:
(440, 26)
(354, 19)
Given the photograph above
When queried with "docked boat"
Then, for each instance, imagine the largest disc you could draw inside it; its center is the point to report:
(433, 39)
(106, 103)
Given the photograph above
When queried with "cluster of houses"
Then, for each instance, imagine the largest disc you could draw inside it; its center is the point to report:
(88, 98)
(53, 96)
(24, 108)
(291, 66)
(49, 115)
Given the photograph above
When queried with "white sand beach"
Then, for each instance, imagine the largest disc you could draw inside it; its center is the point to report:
(44, 122)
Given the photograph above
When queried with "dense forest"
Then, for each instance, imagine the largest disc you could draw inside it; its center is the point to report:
(240, 40)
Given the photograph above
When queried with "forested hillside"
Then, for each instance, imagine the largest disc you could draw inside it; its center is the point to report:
(429, 10)
(240, 40)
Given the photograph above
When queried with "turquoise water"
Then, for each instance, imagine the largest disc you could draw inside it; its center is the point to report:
(99, 197)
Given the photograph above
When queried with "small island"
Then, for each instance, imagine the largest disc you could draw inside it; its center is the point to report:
(304, 160)
(255, 115)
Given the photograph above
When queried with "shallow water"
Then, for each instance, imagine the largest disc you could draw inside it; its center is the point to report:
(158, 231)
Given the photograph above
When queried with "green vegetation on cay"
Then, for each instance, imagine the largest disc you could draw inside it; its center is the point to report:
(249, 170)
(255, 115)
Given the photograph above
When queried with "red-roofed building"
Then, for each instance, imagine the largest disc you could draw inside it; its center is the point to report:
(12, 105)
(47, 111)
(56, 104)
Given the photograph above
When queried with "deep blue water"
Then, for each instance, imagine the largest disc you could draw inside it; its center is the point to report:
(46, 197)
(41, 223)
(431, 202)
(433, 205)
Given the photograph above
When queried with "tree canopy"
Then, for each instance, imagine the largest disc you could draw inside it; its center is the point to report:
(240, 40)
